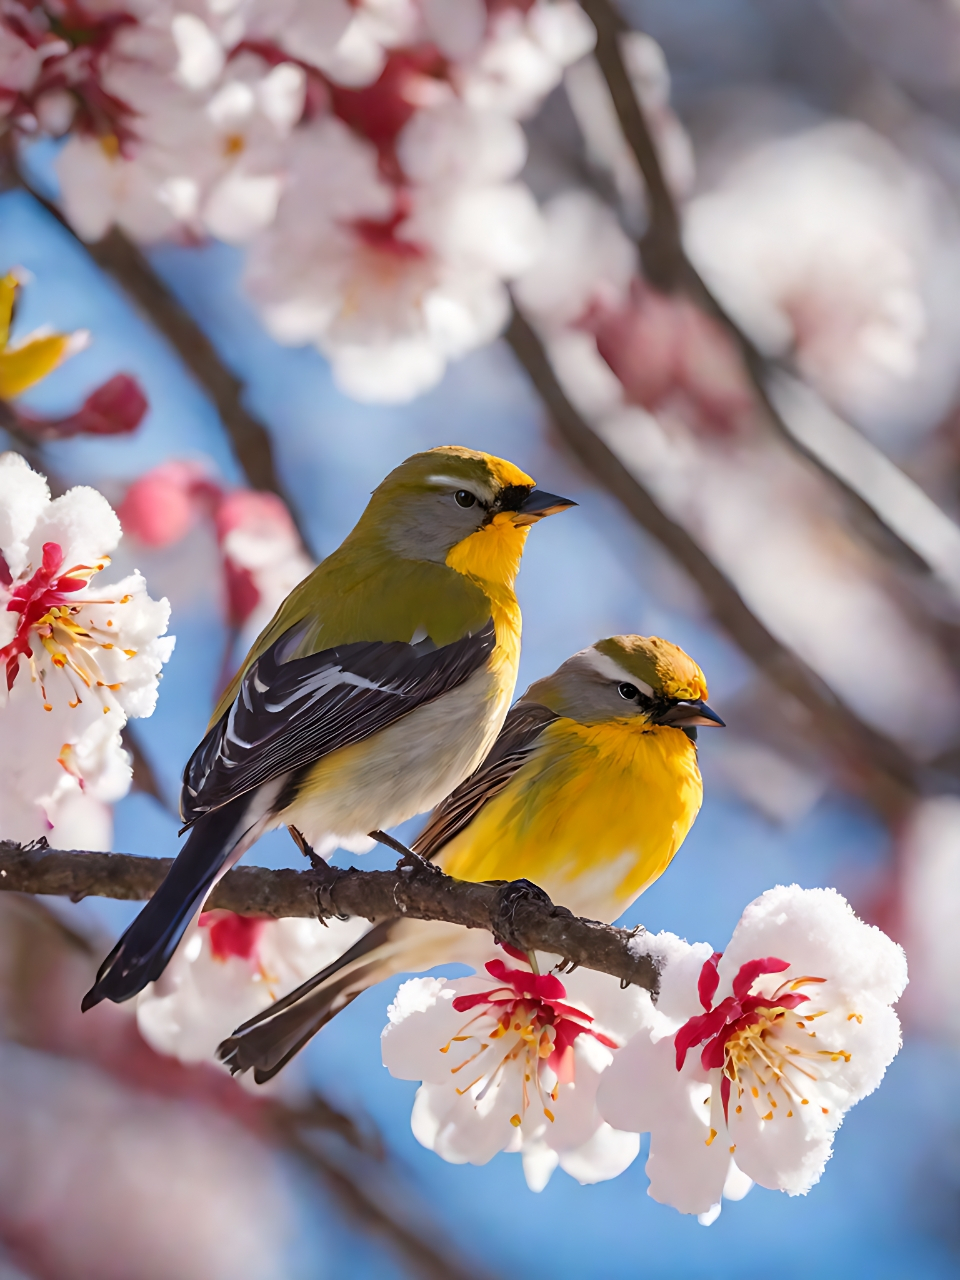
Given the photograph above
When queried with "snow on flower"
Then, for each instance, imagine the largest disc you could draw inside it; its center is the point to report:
(510, 1061)
(748, 1064)
(228, 968)
(78, 655)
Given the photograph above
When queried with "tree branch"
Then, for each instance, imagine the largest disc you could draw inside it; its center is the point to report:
(667, 266)
(516, 911)
(876, 765)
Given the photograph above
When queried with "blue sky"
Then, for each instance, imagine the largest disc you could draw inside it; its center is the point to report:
(882, 1206)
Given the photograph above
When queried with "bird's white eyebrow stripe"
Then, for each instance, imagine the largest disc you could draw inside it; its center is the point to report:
(453, 482)
(605, 666)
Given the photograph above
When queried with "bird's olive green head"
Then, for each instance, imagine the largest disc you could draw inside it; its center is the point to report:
(434, 500)
(641, 678)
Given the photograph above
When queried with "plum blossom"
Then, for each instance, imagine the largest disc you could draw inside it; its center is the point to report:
(79, 655)
(261, 552)
(205, 160)
(523, 55)
(830, 246)
(263, 557)
(750, 1060)
(391, 280)
(510, 1061)
(228, 968)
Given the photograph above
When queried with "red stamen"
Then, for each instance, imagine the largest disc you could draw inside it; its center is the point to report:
(33, 600)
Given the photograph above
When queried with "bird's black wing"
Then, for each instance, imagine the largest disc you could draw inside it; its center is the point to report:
(520, 733)
(290, 712)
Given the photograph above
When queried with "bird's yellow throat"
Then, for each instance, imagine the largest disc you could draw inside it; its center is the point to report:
(491, 557)
(492, 554)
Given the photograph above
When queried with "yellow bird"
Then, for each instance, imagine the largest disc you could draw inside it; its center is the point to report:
(589, 791)
(381, 683)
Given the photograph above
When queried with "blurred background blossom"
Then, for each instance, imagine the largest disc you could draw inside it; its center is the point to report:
(308, 238)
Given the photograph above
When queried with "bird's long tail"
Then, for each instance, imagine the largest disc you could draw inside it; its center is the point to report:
(216, 840)
(267, 1042)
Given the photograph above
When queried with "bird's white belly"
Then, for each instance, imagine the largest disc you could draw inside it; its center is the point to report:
(402, 770)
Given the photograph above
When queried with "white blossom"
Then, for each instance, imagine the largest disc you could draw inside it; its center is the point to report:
(510, 1061)
(391, 284)
(80, 655)
(209, 160)
(228, 968)
(828, 244)
(523, 57)
(747, 1065)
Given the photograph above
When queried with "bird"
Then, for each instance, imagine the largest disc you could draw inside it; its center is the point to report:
(589, 791)
(379, 685)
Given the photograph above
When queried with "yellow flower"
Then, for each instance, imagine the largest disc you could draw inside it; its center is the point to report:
(28, 361)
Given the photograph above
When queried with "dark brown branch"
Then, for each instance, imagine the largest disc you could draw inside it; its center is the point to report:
(121, 259)
(515, 912)
(877, 766)
(667, 266)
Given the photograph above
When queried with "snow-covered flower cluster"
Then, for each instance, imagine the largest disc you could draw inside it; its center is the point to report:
(80, 655)
(228, 968)
(742, 1071)
(510, 1061)
(367, 152)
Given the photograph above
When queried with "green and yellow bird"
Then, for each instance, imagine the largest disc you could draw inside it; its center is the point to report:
(381, 683)
(589, 791)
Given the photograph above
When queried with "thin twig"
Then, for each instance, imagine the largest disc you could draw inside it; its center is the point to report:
(874, 764)
(667, 266)
(514, 911)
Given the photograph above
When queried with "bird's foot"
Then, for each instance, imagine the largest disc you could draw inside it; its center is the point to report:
(514, 895)
(330, 876)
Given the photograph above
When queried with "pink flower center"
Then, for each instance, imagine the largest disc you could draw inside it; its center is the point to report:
(536, 1024)
(47, 614)
(232, 935)
(745, 1036)
(35, 600)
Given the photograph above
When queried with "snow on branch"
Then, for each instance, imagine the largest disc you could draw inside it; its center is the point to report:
(516, 912)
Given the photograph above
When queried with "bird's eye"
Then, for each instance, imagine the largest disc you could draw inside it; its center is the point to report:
(628, 691)
(465, 498)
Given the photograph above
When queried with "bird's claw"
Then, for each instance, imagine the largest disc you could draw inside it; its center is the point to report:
(413, 863)
(512, 896)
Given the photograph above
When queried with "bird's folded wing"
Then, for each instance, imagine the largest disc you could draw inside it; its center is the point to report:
(289, 712)
(521, 731)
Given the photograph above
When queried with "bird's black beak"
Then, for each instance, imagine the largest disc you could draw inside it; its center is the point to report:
(537, 504)
(688, 715)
